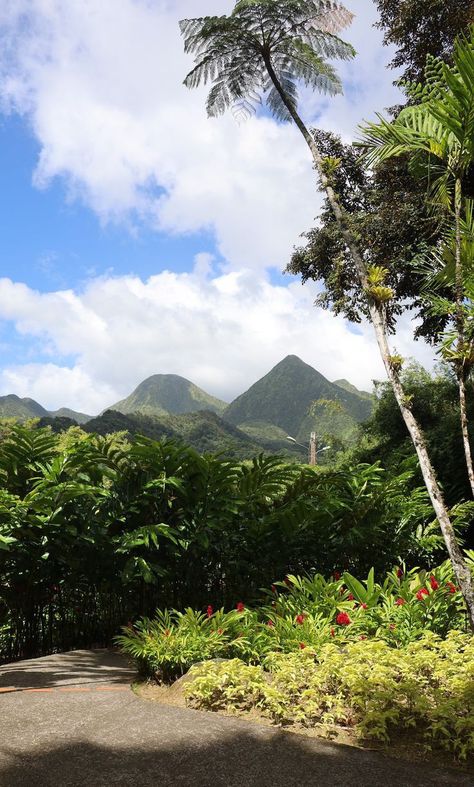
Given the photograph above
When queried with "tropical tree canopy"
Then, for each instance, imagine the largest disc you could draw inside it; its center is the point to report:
(262, 43)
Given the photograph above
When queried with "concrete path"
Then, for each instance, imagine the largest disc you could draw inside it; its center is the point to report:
(70, 720)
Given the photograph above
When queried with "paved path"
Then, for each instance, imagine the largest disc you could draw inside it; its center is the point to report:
(71, 720)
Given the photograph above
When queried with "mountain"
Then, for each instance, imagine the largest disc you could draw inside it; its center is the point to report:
(12, 406)
(168, 393)
(283, 398)
(66, 412)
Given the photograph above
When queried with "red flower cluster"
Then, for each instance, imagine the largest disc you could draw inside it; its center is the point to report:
(400, 602)
(451, 587)
(302, 645)
(350, 597)
(300, 619)
(343, 619)
(363, 605)
(240, 606)
(421, 594)
(210, 611)
(270, 623)
(434, 584)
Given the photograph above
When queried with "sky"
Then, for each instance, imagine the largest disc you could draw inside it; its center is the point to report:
(137, 236)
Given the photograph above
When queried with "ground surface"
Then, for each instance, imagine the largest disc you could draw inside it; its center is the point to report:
(71, 720)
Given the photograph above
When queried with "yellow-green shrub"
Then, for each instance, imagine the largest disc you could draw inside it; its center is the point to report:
(427, 686)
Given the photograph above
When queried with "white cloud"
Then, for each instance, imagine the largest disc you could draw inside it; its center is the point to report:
(101, 85)
(221, 331)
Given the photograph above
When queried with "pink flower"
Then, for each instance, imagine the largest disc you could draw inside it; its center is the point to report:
(400, 602)
(240, 606)
(210, 611)
(343, 619)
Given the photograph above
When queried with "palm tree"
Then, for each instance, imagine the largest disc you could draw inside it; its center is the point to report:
(263, 49)
(438, 133)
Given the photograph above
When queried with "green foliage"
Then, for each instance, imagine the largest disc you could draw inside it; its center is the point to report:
(426, 687)
(301, 612)
(263, 49)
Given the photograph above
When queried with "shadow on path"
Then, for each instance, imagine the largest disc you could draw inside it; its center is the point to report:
(236, 760)
(77, 667)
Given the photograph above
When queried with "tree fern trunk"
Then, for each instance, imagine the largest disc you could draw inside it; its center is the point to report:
(461, 570)
(461, 345)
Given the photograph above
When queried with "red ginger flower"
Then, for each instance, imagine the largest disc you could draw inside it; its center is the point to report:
(399, 573)
(332, 633)
(300, 619)
(343, 619)
(451, 587)
(270, 623)
(240, 606)
(421, 593)
(363, 605)
(302, 645)
(434, 584)
(210, 611)
(350, 597)
(400, 602)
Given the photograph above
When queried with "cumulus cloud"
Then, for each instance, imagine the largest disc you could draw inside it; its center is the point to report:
(101, 86)
(221, 331)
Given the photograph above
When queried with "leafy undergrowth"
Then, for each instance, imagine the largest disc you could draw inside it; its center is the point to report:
(377, 660)
(367, 687)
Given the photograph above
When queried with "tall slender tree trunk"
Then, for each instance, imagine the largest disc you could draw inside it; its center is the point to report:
(460, 567)
(461, 344)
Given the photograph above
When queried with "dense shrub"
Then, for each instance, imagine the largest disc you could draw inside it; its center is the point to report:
(426, 687)
(98, 530)
(301, 613)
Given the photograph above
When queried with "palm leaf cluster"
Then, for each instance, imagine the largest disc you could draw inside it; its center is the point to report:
(289, 40)
(437, 130)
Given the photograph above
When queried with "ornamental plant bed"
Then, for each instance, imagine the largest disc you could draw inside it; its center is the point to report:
(331, 656)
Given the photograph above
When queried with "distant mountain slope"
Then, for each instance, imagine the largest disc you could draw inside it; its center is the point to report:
(347, 386)
(66, 412)
(168, 393)
(285, 394)
(12, 406)
(204, 431)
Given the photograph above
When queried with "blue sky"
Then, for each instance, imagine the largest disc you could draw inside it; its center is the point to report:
(136, 235)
